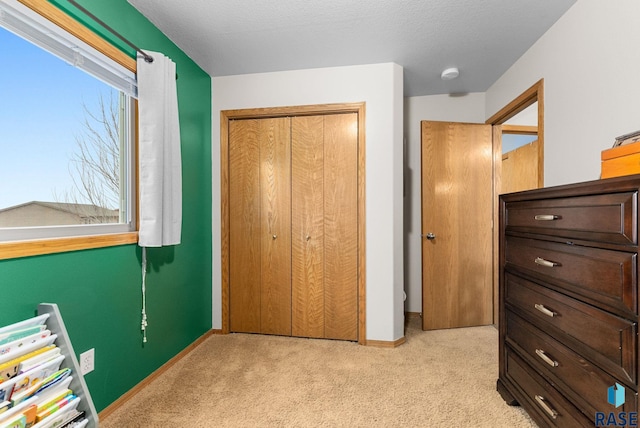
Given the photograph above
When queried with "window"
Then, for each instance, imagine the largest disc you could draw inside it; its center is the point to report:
(66, 133)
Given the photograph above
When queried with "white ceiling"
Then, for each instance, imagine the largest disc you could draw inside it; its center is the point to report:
(482, 38)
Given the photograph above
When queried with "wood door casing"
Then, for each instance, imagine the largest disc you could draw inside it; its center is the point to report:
(260, 209)
(307, 226)
(457, 207)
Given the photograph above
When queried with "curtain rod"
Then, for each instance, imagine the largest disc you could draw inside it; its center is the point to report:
(147, 57)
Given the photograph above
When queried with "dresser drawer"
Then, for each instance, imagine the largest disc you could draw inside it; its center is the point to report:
(541, 397)
(586, 380)
(604, 276)
(602, 218)
(613, 339)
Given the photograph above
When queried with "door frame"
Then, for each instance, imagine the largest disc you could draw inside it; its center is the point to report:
(521, 102)
(307, 110)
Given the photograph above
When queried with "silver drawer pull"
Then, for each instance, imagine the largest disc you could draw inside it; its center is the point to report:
(548, 410)
(542, 262)
(546, 217)
(544, 310)
(545, 358)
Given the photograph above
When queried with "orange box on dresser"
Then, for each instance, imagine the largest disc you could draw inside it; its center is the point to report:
(621, 160)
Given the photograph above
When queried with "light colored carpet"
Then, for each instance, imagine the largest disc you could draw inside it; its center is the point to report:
(444, 378)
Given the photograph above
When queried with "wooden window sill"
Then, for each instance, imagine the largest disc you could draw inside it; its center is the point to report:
(15, 249)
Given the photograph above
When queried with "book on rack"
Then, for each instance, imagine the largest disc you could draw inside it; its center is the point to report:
(44, 413)
(41, 358)
(50, 395)
(29, 382)
(35, 387)
(46, 404)
(61, 416)
(25, 349)
(12, 368)
(16, 345)
(28, 409)
(35, 321)
(17, 421)
(41, 386)
(10, 336)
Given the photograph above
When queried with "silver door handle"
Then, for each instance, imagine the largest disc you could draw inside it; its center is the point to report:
(429, 236)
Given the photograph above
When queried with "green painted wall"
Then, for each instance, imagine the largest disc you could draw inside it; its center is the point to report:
(98, 291)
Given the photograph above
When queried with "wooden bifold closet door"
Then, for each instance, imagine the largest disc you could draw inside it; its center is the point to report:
(293, 226)
(260, 225)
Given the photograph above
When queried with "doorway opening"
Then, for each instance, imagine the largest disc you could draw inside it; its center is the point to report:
(532, 97)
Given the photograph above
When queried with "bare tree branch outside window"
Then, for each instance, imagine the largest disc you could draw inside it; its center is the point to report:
(95, 165)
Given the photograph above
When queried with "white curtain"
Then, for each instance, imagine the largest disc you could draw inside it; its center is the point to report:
(160, 180)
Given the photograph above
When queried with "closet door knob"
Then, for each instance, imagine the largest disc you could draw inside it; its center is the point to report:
(308, 237)
(275, 236)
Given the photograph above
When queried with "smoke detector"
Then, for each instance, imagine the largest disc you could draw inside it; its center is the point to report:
(450, 73)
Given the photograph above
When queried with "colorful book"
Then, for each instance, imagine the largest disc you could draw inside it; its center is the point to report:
(55, 407)
(12, 367)
(10, 336)
(44, 404)
(79, 424)
(30, 413)
(18, 421)
(32, 362)
(28, 348)
(27, 383)
(40, 319)
(55, 392)
(21, 409)
(18, 383)
(62, 416)
(54, 380)
(5, 390)
(19, 343)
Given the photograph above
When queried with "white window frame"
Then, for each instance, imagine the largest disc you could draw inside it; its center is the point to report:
(53, 30)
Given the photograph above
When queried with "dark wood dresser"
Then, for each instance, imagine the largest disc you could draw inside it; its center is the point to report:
(569, 301)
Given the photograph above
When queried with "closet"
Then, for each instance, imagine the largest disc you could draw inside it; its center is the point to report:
(293, 225)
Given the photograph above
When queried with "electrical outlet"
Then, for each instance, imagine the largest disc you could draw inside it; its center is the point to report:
(87, 360)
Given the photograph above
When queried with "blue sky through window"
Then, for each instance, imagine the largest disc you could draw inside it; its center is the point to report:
(41, 114)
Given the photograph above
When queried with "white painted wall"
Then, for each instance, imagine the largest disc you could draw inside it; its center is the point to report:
(590, 62)
(380, 87)
(527, 117)
(459, 108)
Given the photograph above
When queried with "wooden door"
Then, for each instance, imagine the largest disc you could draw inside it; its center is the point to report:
(324, 226)
(457, 271)
(307, 226)
(341, 226)
(520, 168)
(259, 226)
